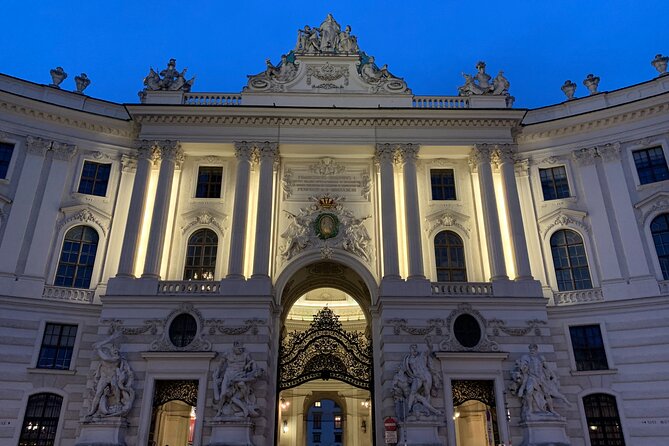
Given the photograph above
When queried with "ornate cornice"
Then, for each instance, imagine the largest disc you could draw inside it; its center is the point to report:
(594, 124)
(60, 118)
(310, 121)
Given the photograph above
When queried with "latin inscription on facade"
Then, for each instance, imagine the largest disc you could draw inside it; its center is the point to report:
(326, 176)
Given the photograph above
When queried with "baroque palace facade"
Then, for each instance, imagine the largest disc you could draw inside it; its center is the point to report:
(299, 263)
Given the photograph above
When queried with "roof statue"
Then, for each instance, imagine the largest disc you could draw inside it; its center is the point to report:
(326, 59)
(169, 79)
(479, 84)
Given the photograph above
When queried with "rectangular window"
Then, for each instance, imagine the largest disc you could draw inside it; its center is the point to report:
(337, 436)
(554, 183)
(337, 422)
(209, 179)
(6, 150)
(94, 178)
(57, 346)
(651, 165)
(317, 420)
(317, 437)
(588, 345)
(443, 184)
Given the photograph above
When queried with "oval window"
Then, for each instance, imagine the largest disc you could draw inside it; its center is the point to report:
(183, 330)
(467, 330)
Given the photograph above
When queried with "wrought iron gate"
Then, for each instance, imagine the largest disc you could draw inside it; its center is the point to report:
(325, 351)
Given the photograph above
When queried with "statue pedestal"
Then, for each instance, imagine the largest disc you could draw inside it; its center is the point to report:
(230, 431)
(108, 431)
(420, 433)
(547, 432)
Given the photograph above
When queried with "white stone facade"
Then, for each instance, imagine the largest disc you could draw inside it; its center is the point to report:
(360, 149)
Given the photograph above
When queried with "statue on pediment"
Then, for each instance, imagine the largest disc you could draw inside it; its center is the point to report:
(329, 30)
(308, 41)
(479, 84)
(274, 76)
(169, 79)
(347, 42)
(380, 78)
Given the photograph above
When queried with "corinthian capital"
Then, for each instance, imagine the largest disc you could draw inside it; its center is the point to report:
(481, 154)
(584, 157)
(503, 153)
(385, 153)
(609, 152)
(244, 150)
(268, 151)
(37, 146)
(171, 151)
(62, 151)
(408, 152)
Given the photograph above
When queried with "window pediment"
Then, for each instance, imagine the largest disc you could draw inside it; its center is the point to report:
(652, 206)
(563, 217)
(447, 219)
(203, 217)
(85, 213)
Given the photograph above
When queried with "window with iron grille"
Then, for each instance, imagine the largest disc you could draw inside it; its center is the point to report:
(588, 346)
(659, 228)
(443, 184)
(601, 413)
(94, 178)
(41, 420)
(6, 151)
(651, 166)
(201, 255)
(209, 180)
(449, 255)
(57, 346)
(554, 183)
(569, 260)
(77, 258)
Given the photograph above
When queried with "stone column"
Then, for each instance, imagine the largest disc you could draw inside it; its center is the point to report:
(146, 155)
(243, 152)
(504, 157)
(268, 154)
(171, 154)
(409, 153)
(480, 161)
(385, 154)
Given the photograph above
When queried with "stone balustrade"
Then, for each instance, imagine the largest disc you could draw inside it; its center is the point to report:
(462, 289)
(188, 287)
(212, 99)
(578, 296)
(68, 294)
(440, 102)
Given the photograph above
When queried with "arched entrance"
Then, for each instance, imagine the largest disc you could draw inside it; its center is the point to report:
(173, 414)
(325, 366)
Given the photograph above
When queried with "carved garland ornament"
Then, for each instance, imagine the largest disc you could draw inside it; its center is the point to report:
(499, 326)
(433, 326)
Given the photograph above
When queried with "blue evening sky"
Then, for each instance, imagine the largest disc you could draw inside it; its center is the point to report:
(538, 43)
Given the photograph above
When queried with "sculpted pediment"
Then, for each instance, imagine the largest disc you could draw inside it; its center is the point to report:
(652, 206)
(563, 217)
(85, 214)
(326, 60)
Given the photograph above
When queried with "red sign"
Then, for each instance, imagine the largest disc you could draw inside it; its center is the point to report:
(390, 424)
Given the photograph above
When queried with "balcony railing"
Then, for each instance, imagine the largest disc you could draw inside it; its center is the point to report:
(440, 102)
(212, 99)
(461, 289)
(578, 296)
(68, 294)
(188, 287)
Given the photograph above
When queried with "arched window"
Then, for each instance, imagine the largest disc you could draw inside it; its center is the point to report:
(571, 265)
(201, 255)
(77, 258)
(449, 255)
(41, 420)
(601, 414)
(660, 230)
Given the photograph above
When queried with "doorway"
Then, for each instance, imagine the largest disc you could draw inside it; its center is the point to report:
(325, 370)
(474, 413)
(174, 414)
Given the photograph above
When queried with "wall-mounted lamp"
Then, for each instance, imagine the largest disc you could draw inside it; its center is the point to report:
(285, 426)
(284, 404)
(366, 403)
(363, 426)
